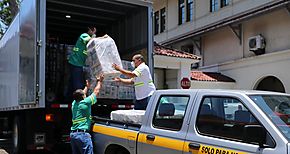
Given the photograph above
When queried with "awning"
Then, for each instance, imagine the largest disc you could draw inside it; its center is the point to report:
(210, 76)
(165, 51)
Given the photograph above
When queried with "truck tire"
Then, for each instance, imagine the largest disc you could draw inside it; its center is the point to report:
(114, 149)
(122, 152)
(18, 136)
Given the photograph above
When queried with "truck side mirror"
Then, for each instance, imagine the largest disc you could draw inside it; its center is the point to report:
(255, 134)
(166, 109)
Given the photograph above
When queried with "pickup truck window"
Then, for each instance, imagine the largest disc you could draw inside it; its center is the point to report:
(277, 108)
(170, 112)
(225, 117)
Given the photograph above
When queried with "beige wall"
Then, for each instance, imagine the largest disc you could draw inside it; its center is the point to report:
(273, 26)
(176, 69)
(221, 46)
(211, 85)
(202, 15)
(159, 78)
(171, 78)
(249, 71)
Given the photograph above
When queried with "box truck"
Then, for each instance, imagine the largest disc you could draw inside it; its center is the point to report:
(33, 64)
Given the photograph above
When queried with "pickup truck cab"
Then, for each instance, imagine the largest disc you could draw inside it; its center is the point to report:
(199, 122)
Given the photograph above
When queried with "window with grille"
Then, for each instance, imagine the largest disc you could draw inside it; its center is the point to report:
(156, 22)
(181, 12)
(213, 5)
(189, 10)
(225, 3)
(163, 20)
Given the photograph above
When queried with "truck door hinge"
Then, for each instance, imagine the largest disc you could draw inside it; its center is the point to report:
(39, 43)
(39, 93)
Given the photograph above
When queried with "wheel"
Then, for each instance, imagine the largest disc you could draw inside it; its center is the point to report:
(116, 150)
(18, 136)
(121, 151)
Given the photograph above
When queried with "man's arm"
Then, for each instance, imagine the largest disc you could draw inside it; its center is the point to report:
(85, 90)
(123, 71)
(99, 85)
(126, 81)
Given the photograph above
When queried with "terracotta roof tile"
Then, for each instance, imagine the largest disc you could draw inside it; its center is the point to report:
(162, 50)
(210, 76)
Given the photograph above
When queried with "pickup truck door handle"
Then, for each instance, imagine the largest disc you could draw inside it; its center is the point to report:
(150, 137)
(194, 146)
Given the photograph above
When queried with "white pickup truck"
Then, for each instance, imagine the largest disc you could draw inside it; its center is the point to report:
(198, 122)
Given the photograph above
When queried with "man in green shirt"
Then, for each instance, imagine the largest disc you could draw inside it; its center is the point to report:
(81, 141)
(78, 58)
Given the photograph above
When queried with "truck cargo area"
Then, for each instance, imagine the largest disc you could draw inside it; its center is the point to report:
(126, 23)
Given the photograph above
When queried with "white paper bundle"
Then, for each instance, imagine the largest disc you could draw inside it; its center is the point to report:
(128, 116)
(102, 53)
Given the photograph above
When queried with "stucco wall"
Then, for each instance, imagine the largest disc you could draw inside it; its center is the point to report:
(212, 85)
(202, 15)
(221, 46)
(248, 72)
(273, 26)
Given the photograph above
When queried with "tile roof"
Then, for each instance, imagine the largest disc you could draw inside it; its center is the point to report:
(210, 76)
(165, 51)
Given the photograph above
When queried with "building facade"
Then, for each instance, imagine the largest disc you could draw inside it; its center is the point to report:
(245, 40)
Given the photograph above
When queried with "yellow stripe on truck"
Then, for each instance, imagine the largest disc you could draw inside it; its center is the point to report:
(115, 132)
(162, 142)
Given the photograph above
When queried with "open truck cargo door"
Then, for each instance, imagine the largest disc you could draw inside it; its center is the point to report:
(29, 44)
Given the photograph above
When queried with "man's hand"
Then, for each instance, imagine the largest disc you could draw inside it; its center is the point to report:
(117, 79)
(88, 84)
(99, 84)
(94, 30)
(116, 67)
(100, 78)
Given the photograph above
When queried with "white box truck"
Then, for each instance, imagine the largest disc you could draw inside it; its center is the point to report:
(33, 65)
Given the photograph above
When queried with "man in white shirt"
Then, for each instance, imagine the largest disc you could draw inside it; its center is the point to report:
(142, 80)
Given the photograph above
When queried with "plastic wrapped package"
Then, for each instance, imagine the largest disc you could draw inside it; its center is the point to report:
(126, 92)
(127, 66)
(128, 116)
(102, 53)
(109, 89)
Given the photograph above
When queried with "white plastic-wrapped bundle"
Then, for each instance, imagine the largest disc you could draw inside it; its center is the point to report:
(102, 53)
(109, 90)
(128, 116)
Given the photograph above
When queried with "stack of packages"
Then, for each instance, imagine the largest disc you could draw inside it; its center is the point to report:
(102, 53)
(126, 91)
